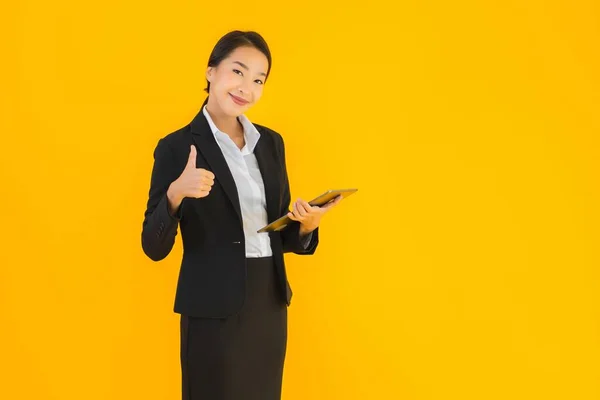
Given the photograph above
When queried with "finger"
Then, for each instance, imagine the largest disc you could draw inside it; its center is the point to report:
(203, 175)
(199, 185)
(304, 207)
(328, 206)
(192, 157)
(294, 215)
(299, 209)
(207, 173)
(297, 213)
(333, 203)
(336, 200)
(203, 190)
(307, 207)
(207, 181)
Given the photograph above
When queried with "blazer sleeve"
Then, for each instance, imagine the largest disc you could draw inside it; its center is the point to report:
(159, 228)
(290, 235)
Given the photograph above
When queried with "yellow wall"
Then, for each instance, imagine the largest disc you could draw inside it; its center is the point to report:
(465, 268)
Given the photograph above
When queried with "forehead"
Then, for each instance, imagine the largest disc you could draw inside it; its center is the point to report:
(250, 56)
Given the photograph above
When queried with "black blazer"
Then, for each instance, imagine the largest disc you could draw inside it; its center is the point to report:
(213, 269)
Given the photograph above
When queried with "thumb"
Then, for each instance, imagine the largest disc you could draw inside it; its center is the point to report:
(192, 158)
(332, 203)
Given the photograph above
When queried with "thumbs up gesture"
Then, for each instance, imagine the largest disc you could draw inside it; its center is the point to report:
(193, 182)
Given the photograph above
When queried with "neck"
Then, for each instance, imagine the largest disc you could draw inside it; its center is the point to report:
(228, 124)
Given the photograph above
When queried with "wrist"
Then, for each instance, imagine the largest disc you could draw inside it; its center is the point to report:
(305, 230)
(173, 196)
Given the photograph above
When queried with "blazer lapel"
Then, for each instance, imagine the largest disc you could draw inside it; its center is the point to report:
(207, 145)
(271, 173)
(264, 152)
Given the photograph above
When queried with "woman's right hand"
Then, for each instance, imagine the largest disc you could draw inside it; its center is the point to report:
(193, 182)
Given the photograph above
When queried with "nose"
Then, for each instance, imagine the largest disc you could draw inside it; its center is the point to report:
(244, 87)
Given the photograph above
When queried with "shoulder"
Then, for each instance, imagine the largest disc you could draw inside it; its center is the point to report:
(271, 134)
(177, 139)
(174, 147)
(176, 144)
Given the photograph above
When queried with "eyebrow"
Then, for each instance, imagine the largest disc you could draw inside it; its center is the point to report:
(246, 67)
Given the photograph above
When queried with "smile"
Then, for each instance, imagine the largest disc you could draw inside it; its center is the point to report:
(238, 100)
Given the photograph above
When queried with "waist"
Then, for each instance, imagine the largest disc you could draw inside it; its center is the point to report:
(258, 261)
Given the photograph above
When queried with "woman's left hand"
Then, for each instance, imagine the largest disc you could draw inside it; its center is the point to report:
(310, 216)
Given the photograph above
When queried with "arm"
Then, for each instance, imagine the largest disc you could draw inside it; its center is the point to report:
(160, 225)
(290, 235)
(306, 239)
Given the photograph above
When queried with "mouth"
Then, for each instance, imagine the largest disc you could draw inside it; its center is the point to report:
(238, 100)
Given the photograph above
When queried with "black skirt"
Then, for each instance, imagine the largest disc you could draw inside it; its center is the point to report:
(240, 357)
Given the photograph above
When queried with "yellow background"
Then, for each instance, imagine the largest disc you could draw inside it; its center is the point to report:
(465, 268)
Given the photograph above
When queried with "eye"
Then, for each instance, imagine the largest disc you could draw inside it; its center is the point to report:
(237, 71)
(259, 82)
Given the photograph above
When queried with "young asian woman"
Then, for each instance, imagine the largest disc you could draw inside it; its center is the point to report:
(218, 180)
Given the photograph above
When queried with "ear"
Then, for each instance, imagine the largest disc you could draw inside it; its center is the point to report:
(209, 73)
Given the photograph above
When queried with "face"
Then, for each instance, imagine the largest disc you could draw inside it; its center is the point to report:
(237, 83)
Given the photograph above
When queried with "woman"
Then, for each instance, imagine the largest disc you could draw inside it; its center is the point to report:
(220, 179)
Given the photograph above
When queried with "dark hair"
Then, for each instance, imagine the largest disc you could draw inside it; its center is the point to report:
(231, 41)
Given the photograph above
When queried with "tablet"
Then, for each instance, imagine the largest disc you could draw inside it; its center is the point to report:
(319, 201)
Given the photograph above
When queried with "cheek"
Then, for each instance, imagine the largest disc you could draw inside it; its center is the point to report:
(227, 82)
(257, 93)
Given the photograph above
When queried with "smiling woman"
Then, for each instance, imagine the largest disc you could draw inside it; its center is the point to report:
(220, 179)
(236, 73)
